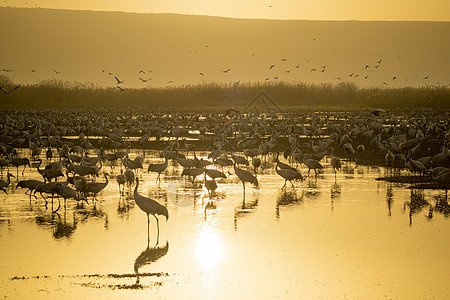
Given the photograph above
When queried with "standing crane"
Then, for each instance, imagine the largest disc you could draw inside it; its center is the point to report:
(245, 176)
(150, 206)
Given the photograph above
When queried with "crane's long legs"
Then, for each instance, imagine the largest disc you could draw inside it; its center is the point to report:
(157, 226)
(148, 231)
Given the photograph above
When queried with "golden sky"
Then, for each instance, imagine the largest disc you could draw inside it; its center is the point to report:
(413, 10)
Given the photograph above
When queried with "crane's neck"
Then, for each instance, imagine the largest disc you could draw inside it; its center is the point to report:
(38, 167)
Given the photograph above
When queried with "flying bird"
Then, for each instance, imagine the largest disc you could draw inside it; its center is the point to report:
(379, 61)
(284, 59)
(8, 92)
(201, 74)
(226, 71)
(272, 66)
(120, 88)
(144, 80)
(56, 72)
(313, 70)
(143, 72)
(118, 80)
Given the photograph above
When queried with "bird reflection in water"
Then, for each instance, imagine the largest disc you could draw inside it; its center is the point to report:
(148, 256)
(123, 207)
(286, 198)
(59, 225)
(389, 197)
(312, 189)
(335, 193)
(62, 228)
(416, 204)
(441, 205)
(244, 209)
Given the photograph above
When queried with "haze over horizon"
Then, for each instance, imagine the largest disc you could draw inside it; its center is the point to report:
(380, 10)
(153, 50)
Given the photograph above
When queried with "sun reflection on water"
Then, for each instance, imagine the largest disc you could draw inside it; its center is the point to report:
(209, 250)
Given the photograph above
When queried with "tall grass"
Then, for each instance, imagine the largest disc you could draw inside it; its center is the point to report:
(58, 94)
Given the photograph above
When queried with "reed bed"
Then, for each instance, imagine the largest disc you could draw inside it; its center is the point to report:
(60, 94)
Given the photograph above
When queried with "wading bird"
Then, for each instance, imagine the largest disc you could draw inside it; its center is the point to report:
(335, 162)
(95, 187)
(121, 179)
(158, 168)
(150, 206)
(3, 183)
(245, 176)
(288, 175)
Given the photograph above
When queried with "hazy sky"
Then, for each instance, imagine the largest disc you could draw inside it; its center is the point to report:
(431, 10)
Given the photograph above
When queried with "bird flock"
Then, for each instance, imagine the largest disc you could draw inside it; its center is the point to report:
(274, 72)
(81, 148)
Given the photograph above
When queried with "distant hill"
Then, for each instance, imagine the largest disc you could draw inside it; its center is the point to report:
(169, 49)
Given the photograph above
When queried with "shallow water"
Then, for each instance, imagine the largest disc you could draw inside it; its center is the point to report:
(344, 237)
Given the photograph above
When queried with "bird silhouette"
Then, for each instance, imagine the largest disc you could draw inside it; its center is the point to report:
(335, 162)
(29, 184)
(271, 67)
(288, 175)
(158, 168)
(121, 179)
(144, 80)
(3, 183)
(245, 176)
(226, 71)
(121, 88)
(9, 91)
(150, 206)
(118, 80)
(95, 187)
